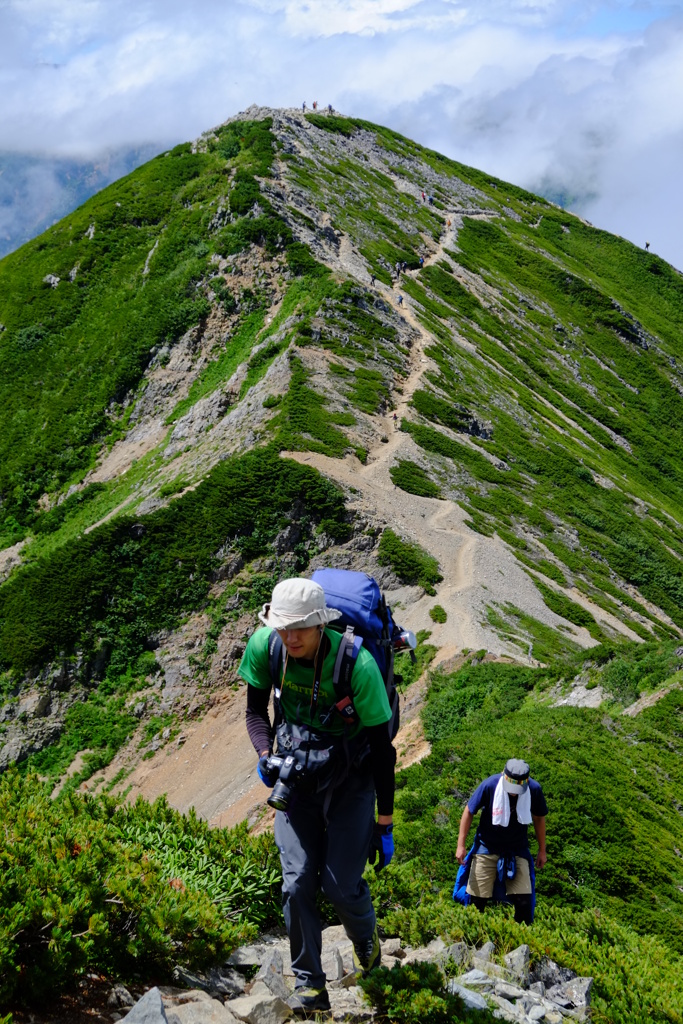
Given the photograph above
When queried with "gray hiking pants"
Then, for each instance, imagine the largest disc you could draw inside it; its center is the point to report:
(328, 856)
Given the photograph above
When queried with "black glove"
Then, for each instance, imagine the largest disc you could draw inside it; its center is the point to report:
(381, 845)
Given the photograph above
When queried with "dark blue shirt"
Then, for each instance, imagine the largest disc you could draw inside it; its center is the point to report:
(514, 838)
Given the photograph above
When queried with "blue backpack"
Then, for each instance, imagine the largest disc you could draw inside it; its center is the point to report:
(366, 621)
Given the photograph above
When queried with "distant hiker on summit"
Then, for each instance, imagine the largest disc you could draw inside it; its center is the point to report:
(499, 866)
(335, 716)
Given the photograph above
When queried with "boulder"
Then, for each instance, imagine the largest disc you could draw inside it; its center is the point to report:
(224, 982)
(472, 1000)
(486, 951)
(507, 1010)
(333, 965)
(120, 996)
(474, 977)
(270, 975)
(247, 956)
(348, 1004)
(260, 1009)
(458, 953)
(393, 947)
(574, 994)
(507, 991)
(489, 967)
(219, 982)
(435, 951)
(148, 1010)
(197, 1007)
(550, 973)
(517, 962)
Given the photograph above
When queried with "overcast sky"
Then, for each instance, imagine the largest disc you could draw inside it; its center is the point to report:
(581, 100)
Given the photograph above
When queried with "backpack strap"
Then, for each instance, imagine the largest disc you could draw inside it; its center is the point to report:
(344, 665)
(275, 652)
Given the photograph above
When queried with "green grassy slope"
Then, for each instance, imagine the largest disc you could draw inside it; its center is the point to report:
(609, 899)
(564, 339)
(133, 269)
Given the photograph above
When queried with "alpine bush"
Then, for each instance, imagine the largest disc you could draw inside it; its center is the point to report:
(410, 562)
(91, 884)
(415, 994)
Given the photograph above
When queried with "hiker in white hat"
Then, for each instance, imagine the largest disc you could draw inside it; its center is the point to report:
(326, 775)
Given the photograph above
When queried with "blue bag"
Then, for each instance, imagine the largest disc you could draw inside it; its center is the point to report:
(366, 620)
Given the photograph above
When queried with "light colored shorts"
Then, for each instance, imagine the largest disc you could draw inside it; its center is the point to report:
(483, 876)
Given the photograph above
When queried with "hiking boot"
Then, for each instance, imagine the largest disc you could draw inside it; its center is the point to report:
(367, 955)
(307, 1001)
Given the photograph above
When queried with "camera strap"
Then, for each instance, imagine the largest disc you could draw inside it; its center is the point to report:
(278, 659)
(317, 676)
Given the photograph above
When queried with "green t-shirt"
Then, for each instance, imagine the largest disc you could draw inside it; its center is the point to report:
(369, 694)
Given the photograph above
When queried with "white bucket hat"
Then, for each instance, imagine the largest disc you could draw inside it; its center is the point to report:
(296, 604)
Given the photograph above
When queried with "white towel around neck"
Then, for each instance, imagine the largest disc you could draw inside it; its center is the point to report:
(500, 812)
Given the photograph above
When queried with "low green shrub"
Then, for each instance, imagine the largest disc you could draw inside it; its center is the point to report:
(438, 614)
(637, 980)
(414, 479)
(89, 884)
(570, 610)
(51, 521)
(110, 590)
(415, 994)
(410, 562)
(481, 715)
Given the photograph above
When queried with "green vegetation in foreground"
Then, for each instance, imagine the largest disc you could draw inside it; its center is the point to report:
(410, 562)
(415, 994)
(613, 821)
(91, 884)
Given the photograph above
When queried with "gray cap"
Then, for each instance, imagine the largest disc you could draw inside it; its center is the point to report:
(516, 776)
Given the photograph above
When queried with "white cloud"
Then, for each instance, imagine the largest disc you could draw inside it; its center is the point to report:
(585, 97)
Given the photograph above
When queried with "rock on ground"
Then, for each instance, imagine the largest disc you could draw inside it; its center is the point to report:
(148, 1010)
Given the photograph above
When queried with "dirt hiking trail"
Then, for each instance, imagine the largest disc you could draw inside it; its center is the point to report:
(214, 770)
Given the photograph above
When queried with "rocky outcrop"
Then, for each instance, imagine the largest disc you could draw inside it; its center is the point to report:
(512, 990)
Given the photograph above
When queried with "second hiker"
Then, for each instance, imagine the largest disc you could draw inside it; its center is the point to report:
(499, 866)
(325, 826)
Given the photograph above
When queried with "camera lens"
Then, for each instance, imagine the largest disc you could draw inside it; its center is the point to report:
(279, 798)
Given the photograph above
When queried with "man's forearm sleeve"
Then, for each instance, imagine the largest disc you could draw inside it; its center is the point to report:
(382, 762)
(258, 721)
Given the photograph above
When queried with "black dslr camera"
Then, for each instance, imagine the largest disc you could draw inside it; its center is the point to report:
(290, 773)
